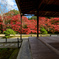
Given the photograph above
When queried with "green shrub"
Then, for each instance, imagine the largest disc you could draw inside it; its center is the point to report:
(8, 32)
(43, 31)
(1, 49)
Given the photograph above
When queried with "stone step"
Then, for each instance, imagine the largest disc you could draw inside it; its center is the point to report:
(24, 52)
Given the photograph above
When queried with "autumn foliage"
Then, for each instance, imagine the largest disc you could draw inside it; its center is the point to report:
(29, 26)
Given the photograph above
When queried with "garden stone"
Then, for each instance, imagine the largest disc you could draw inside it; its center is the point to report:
(1, 45)
(6, 44)
(11, 44)
(53, 35)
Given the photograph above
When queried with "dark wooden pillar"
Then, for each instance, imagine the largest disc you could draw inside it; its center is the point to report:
(37, 18)
(37, 24)
(21, 29)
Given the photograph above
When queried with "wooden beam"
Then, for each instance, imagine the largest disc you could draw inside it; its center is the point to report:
(49, 7)
(40, 4)
(17, 1)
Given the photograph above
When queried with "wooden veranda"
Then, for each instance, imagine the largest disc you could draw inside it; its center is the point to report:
(44, 8)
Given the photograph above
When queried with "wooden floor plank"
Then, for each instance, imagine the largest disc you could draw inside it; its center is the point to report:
(40, 50)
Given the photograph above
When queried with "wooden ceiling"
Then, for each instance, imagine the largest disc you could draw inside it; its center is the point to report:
(44, 7)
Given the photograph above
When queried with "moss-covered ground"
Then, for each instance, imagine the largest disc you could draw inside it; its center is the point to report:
(8, 53)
